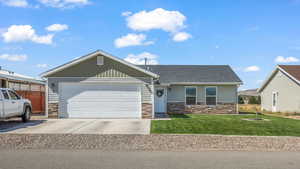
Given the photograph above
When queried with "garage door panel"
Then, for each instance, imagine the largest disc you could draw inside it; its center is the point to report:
(87, 107)
(107, 99)
(100, 101)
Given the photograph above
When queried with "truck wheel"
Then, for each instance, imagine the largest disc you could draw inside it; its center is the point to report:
(26, 115)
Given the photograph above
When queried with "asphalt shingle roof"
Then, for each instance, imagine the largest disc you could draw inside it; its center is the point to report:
(293, 70)
(193, 73)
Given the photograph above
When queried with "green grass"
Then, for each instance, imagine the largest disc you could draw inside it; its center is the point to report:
(226, 125)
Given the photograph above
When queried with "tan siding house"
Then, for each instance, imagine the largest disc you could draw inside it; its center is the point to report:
(281, 91)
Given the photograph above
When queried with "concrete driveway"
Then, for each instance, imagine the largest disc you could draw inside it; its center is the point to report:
(78, 126)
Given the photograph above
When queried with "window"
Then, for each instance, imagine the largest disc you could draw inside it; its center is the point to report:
(211, 95)
(100, 60)
(5, 94)
(190, 95)
(13, 95)
(275, 94)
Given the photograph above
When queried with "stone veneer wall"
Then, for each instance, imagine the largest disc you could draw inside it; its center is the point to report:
(146, 110)
(53, 110)
(201, 108)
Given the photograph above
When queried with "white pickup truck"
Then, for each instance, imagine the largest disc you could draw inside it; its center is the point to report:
(13, 105)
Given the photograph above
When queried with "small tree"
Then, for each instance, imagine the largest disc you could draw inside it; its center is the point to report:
(253, 100)
(259, 100)
(241, 100)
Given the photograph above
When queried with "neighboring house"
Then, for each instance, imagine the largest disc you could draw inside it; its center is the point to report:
(28, 87)
(99, 85)
(281, 90)
(247, 94)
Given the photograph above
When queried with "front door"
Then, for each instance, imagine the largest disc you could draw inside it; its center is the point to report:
(274, 101)
(160, 100)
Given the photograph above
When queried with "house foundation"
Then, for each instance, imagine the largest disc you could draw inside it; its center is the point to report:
(201, 108)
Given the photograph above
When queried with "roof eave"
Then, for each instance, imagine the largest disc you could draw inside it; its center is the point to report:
(85, 57)
(36, 81)
(202, 83)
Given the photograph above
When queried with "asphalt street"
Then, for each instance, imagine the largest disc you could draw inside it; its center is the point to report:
(90, 159)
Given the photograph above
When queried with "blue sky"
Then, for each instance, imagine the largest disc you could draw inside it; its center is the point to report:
(250, 36)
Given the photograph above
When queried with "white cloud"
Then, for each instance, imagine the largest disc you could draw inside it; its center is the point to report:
(47, 39)
(21, 33)
(161, 19)
(57, 27)
(126, 13)
(14, 57)
(252, 69)
(169, 21)
(140, 58)
(259, 81)
(11, 48)
(181, 36)
(42, 65)
(15, 3)
(64, 3)
(132, 39)
(281, 59)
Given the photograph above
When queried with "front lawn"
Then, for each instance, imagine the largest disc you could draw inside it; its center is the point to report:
(227, 125)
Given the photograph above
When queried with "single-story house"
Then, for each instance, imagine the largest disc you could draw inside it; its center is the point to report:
(26, 86)
(280, 92)
(99, 85)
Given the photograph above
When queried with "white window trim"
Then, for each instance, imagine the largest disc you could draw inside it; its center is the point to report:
(185, 95)
(216, 95)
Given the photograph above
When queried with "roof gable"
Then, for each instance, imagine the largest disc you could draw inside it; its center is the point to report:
(91, 55)
(291, 71)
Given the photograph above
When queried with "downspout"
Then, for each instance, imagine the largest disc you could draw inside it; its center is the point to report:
(237, 99)
(153, 111)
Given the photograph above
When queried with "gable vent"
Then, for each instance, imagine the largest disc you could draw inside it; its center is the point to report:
(100, 60)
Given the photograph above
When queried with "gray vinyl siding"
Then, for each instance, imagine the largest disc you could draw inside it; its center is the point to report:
(147, 93)
(288, 94)
(176, 94)
(225, 93)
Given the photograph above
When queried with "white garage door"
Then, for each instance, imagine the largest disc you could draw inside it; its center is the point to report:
(81, 100)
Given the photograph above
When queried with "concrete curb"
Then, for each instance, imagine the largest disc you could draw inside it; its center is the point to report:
(153, 142)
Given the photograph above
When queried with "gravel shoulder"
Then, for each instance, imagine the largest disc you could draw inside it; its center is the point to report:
(153, 142)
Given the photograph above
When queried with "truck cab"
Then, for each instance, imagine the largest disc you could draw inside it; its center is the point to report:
(13, 105)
